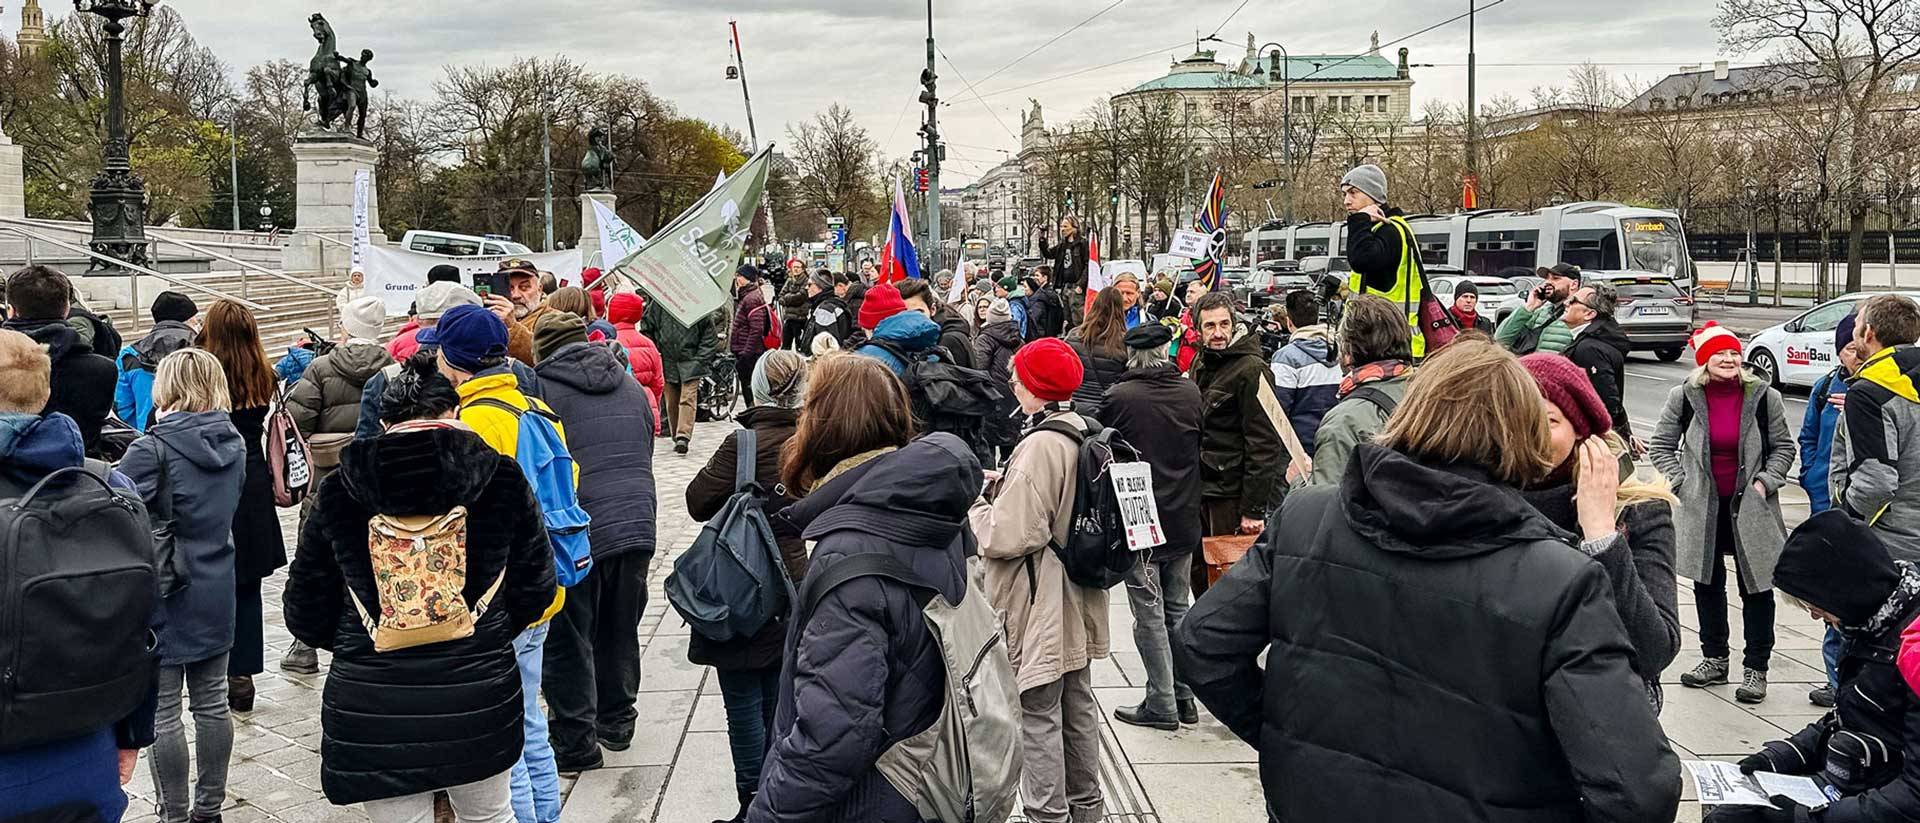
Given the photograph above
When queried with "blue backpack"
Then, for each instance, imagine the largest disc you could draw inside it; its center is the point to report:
(733, 581)
(544, 459)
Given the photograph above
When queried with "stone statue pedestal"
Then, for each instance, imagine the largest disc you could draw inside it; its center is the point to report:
(324, 166)
(589, 244)
(13, 180)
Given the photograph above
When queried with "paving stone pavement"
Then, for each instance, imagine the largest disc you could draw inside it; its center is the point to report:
(679, 770)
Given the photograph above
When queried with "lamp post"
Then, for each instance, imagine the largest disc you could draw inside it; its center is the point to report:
(1753, 250)
(119, 198)
(1281, 63)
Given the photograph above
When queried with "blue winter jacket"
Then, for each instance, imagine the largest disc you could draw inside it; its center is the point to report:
(911, 331)
(133, 391)
(82, 773)
(1816, 439)
(1306, 379)
(293, 366)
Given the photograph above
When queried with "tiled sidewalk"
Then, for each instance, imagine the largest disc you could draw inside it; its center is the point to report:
(679, 770)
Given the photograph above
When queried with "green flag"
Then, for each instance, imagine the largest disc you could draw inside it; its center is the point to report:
(688, 266)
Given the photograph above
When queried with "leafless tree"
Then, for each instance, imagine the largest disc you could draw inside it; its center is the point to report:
(833, 160)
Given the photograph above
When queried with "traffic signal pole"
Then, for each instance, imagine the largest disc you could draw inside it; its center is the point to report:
(932, 131)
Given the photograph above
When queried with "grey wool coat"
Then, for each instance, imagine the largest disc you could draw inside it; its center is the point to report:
(1766, 455)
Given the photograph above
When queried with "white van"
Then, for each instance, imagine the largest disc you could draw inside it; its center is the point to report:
(460, 245)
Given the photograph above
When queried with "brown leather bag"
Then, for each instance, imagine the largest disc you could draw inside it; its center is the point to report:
(1220, 553)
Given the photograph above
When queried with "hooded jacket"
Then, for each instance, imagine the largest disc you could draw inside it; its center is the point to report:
(1349, 423)
(204, 464)
(327, 398)
(752, 317)
(642, 355)
(1158, 412)
(1046, 314)
(1054, 626)
(501, 429)
(427, 717)
(1435, 651)
(138, 361)
(1306, 378)
(82, 382)
(1099, 369)
(1875, 466)
(911, 331)
(1241, 454)
(1601, 351)
(596, 398)
(827, 314)
(1816, 438)
(955, 336)
(866, 671)
(709, 491)
(993, 350)
(685, 351)
(80, 774)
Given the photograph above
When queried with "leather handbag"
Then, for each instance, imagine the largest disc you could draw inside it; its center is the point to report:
(1220, 553)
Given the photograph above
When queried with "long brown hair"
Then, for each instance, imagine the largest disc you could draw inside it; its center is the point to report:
(1474, 403)
(571, 299)
(1105, 329)
(232, 335)
(854, 404)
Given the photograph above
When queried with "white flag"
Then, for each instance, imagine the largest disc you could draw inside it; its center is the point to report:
(617, 239)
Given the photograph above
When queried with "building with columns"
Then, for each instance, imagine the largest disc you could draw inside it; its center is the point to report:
(33, 27)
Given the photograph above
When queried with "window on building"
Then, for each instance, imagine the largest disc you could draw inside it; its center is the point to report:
(1681, 102)
(1193, 109)
(1657, 103)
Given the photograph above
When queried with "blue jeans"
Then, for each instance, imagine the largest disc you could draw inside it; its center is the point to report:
(1830, 652)
(749, 696)
(536, 783)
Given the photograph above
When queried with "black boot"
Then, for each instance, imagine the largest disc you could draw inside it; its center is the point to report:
(1189, 712)
(240, 693)
(1138, 716)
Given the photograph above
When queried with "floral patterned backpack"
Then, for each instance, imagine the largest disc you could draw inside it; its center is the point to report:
(420, 569)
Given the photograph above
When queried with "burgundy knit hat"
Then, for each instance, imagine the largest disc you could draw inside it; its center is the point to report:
(1567, 386)
(1049, 368)
(883, 301)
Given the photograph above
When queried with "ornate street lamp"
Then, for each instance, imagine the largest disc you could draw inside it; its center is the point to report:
(119, 199)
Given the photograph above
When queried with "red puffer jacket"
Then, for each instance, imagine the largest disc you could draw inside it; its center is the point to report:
(624, 311)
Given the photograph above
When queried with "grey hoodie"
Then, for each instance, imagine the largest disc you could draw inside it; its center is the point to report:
(198, 461)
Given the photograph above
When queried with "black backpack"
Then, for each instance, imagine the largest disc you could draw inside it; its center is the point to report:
(733, 581)
(947, 397)
(1096, 554)
(79, 586)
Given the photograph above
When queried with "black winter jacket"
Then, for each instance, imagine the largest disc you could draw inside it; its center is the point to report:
(1436, 651)
(1046, 315)
(1098, 371)
(955, 336)
(1374, 255)
(685, 351)
(1601, 351)
(605, 414)
(866, 672)
(428, 717)
(83, 382)
(829, 314)
(1068, 259)
(1158, 412)
(1241, 454)
(709, 491)
(993, 350)
(1873, 701)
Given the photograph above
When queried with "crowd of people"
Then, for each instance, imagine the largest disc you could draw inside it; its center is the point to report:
(1427, 577)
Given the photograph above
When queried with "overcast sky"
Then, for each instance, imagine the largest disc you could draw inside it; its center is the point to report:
(867, 54)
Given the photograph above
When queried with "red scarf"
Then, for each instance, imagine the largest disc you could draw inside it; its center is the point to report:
(1465, 319)
(1373, 373)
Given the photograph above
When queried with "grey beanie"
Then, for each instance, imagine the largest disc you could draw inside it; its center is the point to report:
(1370, 180)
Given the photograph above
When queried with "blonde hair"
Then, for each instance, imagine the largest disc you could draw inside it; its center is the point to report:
(1634, 490)
(1473, 403)
(191, 380)
(26, 374)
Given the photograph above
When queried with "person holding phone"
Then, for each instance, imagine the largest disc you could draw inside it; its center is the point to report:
(1535, 326)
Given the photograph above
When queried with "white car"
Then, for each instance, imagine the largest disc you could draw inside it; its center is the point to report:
(1498, 295)
(460, 245)
(1799, 351)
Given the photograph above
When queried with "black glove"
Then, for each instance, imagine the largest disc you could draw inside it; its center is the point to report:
(1778, 756)
(1751, 814)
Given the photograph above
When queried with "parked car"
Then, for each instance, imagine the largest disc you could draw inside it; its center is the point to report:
(460, 245)
(1799, 351)
(1652, 310)
(1026, 265)
(1265, 286)
(1498, 297)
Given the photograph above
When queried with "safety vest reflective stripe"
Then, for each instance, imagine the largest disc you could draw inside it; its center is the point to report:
(1406, 282)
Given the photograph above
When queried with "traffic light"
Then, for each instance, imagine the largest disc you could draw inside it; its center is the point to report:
(929, 95)
(1113, 197)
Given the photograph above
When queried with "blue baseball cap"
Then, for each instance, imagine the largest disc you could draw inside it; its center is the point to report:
(466, 336)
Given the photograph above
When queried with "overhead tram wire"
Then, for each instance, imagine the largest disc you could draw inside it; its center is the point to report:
(1394, 42)
(976, 96)
(1053, 40)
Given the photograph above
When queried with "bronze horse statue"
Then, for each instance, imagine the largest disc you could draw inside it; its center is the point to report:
(326, 76)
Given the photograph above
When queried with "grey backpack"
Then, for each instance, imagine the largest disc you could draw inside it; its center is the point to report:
(965, 768)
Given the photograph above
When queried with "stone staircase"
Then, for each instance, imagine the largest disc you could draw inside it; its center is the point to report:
(290, 308)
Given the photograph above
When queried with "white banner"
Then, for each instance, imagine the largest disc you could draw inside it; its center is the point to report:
(362, 183)
(394, 273)
(617, 239)
(1189, 244)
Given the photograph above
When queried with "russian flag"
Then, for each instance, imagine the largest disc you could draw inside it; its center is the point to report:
(898, 260)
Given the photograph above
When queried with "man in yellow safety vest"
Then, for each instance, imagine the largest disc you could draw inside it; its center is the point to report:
(1380, 247)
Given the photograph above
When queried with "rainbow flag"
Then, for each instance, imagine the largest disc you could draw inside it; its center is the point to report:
(1213, 223)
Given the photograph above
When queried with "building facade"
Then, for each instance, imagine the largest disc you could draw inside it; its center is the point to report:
(33, 28)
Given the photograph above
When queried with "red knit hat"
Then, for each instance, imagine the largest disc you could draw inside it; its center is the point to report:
(626, 307)
(1567, 386)
(1049, 368)
(1712, 339)
(883, 301)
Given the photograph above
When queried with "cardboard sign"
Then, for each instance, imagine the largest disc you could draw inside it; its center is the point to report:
(1133, 487)
(1190, 244)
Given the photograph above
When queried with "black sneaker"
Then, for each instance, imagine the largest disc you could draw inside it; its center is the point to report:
(1137, 716)
(616, 745)
(1189, 712)
(301, 659)
(1822, 697)
(680, 445)
(577, 766)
